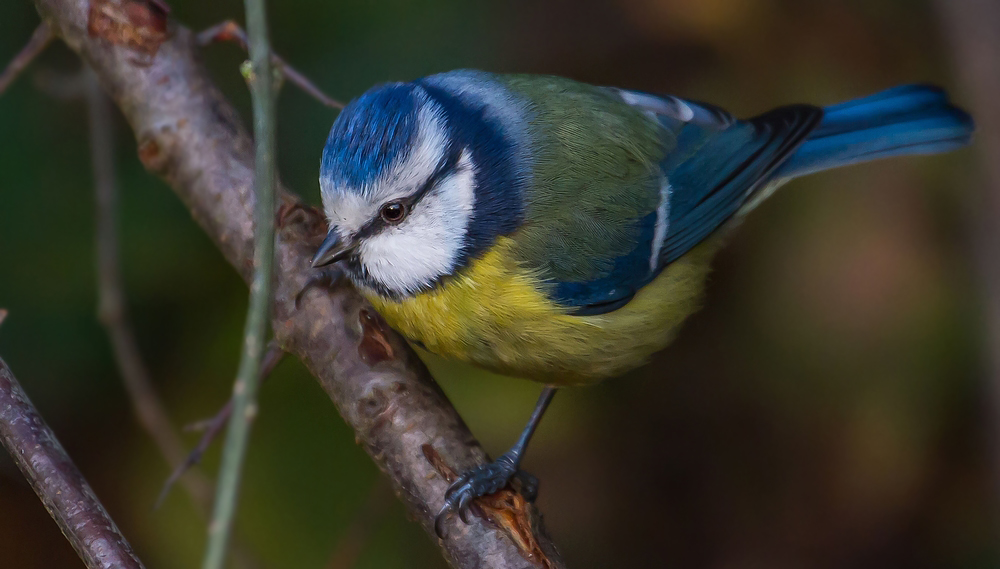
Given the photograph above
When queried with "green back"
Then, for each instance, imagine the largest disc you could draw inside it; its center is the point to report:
(595, 176)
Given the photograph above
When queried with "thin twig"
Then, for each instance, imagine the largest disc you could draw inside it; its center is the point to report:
(64, 491)
(146, 404)
(231, 31)
(352, 542)
(40, 39)
(259, 312)
(212, 427)
(149, 410)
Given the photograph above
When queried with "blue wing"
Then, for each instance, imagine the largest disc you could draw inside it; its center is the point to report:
(712, 174)
(718, 162)
(712, 164)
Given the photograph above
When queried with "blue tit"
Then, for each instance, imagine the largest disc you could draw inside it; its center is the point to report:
(548, 229)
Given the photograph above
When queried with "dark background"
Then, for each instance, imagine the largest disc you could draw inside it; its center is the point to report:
(826, 409)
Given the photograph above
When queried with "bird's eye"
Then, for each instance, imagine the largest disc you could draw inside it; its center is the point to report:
(393, 212)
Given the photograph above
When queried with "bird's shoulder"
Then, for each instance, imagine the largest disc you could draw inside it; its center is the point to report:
(594, 189)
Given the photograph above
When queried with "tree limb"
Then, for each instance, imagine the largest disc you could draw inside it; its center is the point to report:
(112, 312)
(191, 136)
(66, 495)
(150, 413)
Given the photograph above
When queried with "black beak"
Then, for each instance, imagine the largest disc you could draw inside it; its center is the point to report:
(331, 250)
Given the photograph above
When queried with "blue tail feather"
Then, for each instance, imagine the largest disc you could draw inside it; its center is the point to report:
(912, 119)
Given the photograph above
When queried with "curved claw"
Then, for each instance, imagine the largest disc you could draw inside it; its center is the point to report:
(456, 485)
(439, 520)
(484, 480)
(463, 506)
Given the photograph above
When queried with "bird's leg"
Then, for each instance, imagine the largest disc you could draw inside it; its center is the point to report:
(490, 478)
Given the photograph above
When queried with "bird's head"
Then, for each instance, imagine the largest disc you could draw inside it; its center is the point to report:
(405, 186)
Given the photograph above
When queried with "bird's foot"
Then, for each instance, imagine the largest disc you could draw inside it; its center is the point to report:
(483, 481)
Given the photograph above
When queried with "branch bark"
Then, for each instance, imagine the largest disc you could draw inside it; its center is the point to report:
(65, 493)
(191, 136)
(149, 410)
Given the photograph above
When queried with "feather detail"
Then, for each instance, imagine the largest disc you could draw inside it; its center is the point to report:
(912, 119)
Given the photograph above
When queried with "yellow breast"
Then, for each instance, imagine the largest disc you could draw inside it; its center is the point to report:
(496, 315)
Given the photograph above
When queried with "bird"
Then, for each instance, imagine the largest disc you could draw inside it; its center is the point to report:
(548, 229)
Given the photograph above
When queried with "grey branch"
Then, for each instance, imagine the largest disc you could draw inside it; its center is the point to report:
(231, 31)
(58, 483)
(191, 136)
(40, 39)
(112, 313)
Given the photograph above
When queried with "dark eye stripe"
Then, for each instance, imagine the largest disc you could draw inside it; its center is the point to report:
(444, 167)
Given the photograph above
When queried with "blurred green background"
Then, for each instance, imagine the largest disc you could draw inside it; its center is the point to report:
(826, 409)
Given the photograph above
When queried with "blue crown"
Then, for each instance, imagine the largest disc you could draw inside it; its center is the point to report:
(372, 133)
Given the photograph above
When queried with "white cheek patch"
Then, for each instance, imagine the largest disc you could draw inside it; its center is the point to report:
(413, 255)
